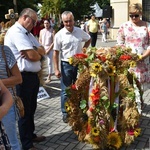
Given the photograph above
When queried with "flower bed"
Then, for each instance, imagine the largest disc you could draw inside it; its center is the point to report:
(104, 104)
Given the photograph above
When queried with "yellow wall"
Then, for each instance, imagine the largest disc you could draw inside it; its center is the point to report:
(120, 14)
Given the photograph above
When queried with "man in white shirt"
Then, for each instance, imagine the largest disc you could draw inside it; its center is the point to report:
(28, 53)
(68, 41)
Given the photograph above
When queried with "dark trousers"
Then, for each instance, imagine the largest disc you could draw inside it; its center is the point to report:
(93, 38)
(28, 91)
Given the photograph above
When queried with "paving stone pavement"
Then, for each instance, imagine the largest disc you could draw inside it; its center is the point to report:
(59, 136)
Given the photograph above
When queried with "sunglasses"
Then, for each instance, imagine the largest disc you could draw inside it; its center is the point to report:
(136, 16)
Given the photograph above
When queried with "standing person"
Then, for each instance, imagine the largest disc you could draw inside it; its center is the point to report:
(10, 119)
(82, 25)
(103, 29)
(28, 53)
(68, 41)
(92, 28)
(6, 102)
(46, 38)
(85, 24)
(135, 34)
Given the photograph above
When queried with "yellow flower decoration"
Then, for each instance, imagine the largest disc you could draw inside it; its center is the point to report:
(132, 64)
(140, 56)
(114, 140)
(96, 67)
(92, 74)
(137, 132)
(95, 131)
(111, 70)
(71, 60)
(67, 107)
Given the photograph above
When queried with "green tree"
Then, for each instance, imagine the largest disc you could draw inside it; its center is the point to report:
(78, 7)
(21, 4)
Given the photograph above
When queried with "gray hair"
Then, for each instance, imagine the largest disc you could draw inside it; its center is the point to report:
(65, 13)
(27, 11)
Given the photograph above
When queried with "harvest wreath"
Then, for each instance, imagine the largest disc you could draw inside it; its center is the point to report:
(104, 104)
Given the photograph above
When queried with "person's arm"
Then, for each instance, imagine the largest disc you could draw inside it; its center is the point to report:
(50, 48)
(87, 28)
(15, 77)
(86, 45)
(56, 63)
(98, 26)
(146, 54)
(33, 54)
(6, 100)
(40, 37)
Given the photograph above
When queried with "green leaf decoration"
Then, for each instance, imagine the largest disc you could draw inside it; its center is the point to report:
(115, 105)
(68, 92)
(107, 104)
(104, 98)
(83, 104)
(91, 57)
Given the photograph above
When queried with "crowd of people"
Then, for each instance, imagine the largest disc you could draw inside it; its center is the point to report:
(94, 26)
(24, 54)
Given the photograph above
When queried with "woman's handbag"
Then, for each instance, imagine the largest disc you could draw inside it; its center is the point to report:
(17, 99)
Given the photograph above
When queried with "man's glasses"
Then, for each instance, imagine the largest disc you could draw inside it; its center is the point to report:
(135, 16)
(33, 21)
(68, 21)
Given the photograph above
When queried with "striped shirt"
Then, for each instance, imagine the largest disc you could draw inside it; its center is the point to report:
(11, 61)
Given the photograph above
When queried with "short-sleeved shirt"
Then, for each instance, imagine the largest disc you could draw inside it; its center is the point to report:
(18, 39)
(93, 26)
(11, 61)
(47, 37)
(69, 43)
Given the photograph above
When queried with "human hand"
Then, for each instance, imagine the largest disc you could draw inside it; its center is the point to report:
(23, 55)
(57, 73)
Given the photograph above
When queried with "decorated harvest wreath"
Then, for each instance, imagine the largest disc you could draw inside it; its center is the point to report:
(104, 104)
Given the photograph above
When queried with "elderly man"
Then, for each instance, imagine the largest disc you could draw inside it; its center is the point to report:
(28, 53)
(68, 41)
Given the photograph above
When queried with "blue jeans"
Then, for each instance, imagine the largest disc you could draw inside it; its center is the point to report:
(9, 122)
(68, 77)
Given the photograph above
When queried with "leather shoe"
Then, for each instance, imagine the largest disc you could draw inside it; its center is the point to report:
(65, 118)
(39, 138)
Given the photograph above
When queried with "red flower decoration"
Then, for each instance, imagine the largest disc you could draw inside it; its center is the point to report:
(80, 56)
(95, 99)
(88, 129)
(73, 86)
(125, 57)
(91, 109)
(95, 95)
(131, 132)
(102, 58)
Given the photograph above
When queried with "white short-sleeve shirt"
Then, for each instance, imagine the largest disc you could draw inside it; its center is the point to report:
(69, 43)
(18, 39)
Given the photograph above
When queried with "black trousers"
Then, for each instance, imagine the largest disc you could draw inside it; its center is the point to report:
(93, 38)
(28, 91)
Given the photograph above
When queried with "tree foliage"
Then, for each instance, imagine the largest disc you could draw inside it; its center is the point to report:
(5, 5)
(79, 8)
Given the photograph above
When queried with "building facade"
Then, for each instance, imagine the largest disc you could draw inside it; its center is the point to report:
(120, 13)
